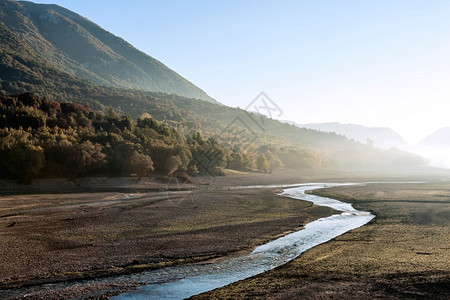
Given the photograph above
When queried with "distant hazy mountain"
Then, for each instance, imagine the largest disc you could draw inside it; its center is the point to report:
(57, 38)
(439, 138)
(382, 137)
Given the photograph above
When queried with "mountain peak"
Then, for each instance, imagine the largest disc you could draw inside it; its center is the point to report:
(440, 137)
(75, 45)
(383, 137)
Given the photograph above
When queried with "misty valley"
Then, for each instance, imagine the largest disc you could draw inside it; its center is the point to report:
(120, 178)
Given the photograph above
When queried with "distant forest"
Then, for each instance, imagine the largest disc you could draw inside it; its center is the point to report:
(43, 138)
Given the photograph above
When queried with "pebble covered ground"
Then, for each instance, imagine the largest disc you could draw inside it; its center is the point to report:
(67, 232)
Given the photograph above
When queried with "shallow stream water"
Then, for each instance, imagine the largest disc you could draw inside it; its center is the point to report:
(184, 281)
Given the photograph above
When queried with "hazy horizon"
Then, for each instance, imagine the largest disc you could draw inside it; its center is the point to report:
(382, 64)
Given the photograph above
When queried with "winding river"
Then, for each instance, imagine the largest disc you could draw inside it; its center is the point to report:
(184, 281)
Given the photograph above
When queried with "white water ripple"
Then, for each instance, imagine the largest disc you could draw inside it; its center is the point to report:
(184, 281)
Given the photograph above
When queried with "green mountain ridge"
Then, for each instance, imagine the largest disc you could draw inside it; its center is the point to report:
(75, 45)
(22, 69)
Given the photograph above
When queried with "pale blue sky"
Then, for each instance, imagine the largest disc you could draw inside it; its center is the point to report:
(374, 63)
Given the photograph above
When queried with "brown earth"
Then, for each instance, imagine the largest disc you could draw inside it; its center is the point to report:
(403, 253)
(55, 230)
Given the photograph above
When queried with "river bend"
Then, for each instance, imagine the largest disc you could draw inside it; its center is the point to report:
(184, 281)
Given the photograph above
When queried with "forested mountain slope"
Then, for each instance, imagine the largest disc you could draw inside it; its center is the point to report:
(71, 43)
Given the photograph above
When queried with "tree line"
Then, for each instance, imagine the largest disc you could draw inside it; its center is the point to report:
(43, 138)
